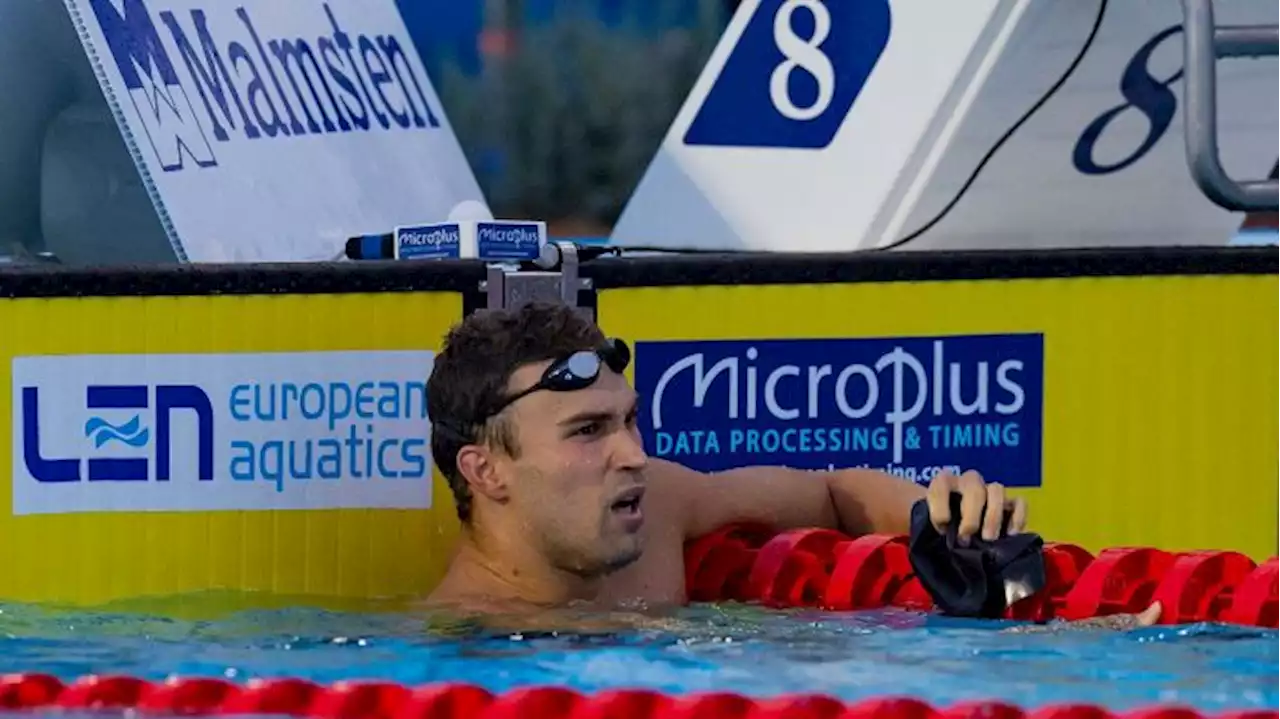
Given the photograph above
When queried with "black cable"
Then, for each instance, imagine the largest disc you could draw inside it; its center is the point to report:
(1084, 49)
(619, 249)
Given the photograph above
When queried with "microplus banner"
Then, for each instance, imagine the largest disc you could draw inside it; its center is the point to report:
(272, 130)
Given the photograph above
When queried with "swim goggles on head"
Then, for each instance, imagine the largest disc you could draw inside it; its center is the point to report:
(574, 372)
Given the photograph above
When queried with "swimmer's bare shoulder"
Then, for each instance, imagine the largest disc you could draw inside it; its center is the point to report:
(454, 613)
(516, 617)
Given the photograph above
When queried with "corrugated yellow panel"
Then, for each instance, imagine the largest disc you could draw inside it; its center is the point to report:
(1160, 399)
(104, 556)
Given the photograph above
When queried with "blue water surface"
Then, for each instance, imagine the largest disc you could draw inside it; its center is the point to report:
(744, 649)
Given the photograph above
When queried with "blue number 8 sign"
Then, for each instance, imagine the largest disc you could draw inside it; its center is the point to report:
(794, 74)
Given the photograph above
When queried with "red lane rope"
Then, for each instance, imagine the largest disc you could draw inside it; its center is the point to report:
(827, 569)
(385, 700)
(805, 567)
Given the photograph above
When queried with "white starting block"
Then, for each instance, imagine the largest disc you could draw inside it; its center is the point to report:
(835, 125)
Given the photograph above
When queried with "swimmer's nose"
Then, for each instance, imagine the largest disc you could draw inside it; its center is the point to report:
(628, 451)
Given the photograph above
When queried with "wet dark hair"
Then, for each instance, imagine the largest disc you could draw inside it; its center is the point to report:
(471, 372)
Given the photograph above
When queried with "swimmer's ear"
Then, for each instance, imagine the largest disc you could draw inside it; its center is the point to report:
(476, 464)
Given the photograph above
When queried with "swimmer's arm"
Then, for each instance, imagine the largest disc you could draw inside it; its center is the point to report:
(855, 501)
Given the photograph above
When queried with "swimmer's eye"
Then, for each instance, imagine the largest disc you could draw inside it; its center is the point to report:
(587, 430)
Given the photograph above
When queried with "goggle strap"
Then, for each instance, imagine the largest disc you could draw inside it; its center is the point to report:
(452, 431)
(614, 353)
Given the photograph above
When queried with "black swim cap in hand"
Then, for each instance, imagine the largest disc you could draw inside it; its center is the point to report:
(979, 580)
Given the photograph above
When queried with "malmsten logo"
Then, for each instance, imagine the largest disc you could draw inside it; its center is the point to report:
(253, 86)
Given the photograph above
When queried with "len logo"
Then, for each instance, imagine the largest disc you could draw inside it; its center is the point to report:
(100, 432)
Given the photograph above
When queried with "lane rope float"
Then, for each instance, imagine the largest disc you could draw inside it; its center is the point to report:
(826, 569)
(385, 700)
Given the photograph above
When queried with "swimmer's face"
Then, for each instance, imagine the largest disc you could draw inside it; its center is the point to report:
(577, 480)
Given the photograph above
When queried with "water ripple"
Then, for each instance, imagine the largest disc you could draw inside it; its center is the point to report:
(702, 648)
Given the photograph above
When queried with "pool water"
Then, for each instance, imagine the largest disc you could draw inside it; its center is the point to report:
(737, 648)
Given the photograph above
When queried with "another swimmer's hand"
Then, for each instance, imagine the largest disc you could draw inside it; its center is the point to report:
(975, 494)
(1115, 622)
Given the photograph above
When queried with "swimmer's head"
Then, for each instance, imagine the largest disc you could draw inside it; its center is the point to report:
(534, 426)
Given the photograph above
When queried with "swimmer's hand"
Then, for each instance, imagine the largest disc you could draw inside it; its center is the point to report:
(1114, 622)
(984, 507)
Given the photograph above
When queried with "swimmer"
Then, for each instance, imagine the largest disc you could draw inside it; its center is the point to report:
(534, 425)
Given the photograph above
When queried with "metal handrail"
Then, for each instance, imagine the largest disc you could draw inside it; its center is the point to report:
(1203, 43)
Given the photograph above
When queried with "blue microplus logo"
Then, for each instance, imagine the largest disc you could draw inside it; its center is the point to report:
(429, 241)
(434, 238)
(910, 406)
(508, 241)
(339, 83)
(794, 74)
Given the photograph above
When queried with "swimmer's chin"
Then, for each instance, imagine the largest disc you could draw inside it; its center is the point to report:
(1111, 622)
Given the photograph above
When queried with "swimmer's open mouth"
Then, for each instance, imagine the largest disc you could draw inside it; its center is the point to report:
(628, 502)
